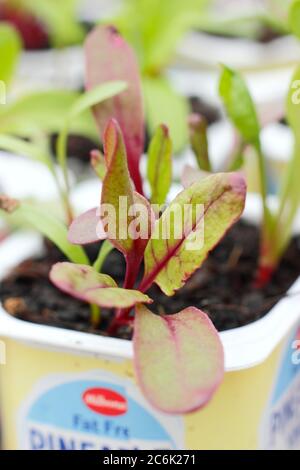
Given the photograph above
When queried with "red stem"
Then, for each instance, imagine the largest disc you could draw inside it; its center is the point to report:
(263, 276)
(133, 165)
(122, 316)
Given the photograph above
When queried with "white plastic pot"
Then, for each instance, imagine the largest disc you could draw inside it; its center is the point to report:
(62, 68)
(278, 146)
(240, 53)
(17, 175)
(53, 68)
(95, 10)
(65, 389)
(267, 68)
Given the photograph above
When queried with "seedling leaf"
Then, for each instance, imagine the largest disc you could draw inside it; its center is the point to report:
(189, 229)
(109, 57)
(179, 359)
(84, 283)
(160, 165)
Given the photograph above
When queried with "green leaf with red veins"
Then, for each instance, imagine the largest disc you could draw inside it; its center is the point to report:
(118, 194)
(178, 358)
(160, 165)
(84, 283)
(117, 190)
(109, 57)
(190, 228)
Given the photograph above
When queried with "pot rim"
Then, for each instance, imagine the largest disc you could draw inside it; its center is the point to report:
(244, 347)
(245, 54)
(75, 49)
(51, 68)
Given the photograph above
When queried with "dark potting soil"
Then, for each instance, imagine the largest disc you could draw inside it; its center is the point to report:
(78, 147)
(211, 113)
(223, 287)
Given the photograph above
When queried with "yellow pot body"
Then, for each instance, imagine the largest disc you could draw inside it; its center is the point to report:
(53, 399)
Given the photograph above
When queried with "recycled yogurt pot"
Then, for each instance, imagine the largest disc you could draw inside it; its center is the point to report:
(280, 52)
(278, 146)
(62, 389)
(53, 68)
(267, 67)
(62, 67)
(16, 173)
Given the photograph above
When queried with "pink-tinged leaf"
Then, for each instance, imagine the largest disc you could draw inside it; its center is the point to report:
(190, 228)
(87, 228)
(84, 283)
(109, 57)
(79, 277)
(178, 358)
(191, 175)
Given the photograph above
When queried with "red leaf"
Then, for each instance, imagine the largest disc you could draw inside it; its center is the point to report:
(109, 57)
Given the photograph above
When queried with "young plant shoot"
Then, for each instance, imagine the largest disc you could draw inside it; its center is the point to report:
(277, 225)
(117, 61)
(154, 38)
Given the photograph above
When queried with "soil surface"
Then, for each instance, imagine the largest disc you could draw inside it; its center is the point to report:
(78, 147)
(223, 287)
(199, 106)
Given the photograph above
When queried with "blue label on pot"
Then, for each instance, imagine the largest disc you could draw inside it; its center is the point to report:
(281, 424)
(96, 411)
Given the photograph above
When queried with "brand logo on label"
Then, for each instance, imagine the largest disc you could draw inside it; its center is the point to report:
(104, 401)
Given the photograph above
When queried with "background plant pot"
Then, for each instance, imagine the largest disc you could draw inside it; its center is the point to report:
(279, 52)
(62, 68)
(267, 67)
(91, 11)
(53, 68)
(17, 174)
(57, 386)
(278, 146)
(277, 142)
